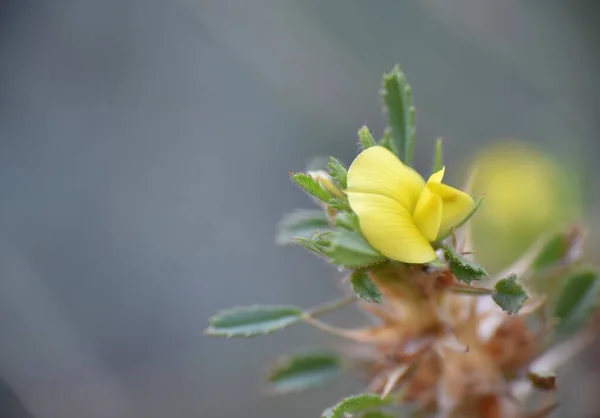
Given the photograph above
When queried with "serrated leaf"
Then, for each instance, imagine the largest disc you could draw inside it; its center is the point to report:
(347, 220)
(337, 172)
(303, 371)
(438, 158)
(302, 223)
(364, 287)
(354, 404)
(543, 381)
(310, 186)
(509, 294)
(476, 205)
(349, 249)
(577, 300)
(561, 249)
(463, 269)
(250, 321)
(377, 414)
(365, 138)
(397, 97)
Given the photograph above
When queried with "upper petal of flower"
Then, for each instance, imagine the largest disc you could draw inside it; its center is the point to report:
(378, 171)
(455, 204)
(389, 227)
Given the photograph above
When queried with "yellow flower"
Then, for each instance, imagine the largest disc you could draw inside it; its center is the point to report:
(399, 214)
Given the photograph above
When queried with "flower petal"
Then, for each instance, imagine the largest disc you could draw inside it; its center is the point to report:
(389, 227)
(428, 214)
(378, 171)
(437, 177)
(455, 204)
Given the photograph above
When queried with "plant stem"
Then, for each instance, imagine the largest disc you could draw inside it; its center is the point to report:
(471, 290)
(331, 306)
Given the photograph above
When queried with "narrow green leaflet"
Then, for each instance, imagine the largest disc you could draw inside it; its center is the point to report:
(509, 295)
(463, 269)
(364, 287)
(386, 141)
(303, 371)
(577, 300)
(310, 186)
(365, 138)
(397, 97)
(301, 223)
(354, 404)
(251, 321)
(349, 249)
(377, 414)
(561, 249)
(337, 172)
(438, 158)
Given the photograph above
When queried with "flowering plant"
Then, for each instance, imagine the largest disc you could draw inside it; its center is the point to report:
(449, 339)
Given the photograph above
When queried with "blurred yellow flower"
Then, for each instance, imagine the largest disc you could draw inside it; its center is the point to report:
(527, 193)
(399, 213)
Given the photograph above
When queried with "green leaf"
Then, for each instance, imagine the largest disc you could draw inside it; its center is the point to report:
(509, 295)
(397, 97)
(311, 245)
(577, 300)
(438, 159)
(347, 220)
(446, 234)
(463, 269)
(354, 404)
(339, 205)
(250, 321)
(303, 371)
(365, 138)
(386, 141)
(310, 186)
(377, 414)
(349, 249)
(301, 223)
(338, 173)
(364, 287)
(560, 250)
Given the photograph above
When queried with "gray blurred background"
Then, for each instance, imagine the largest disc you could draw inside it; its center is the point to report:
(144, 152)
